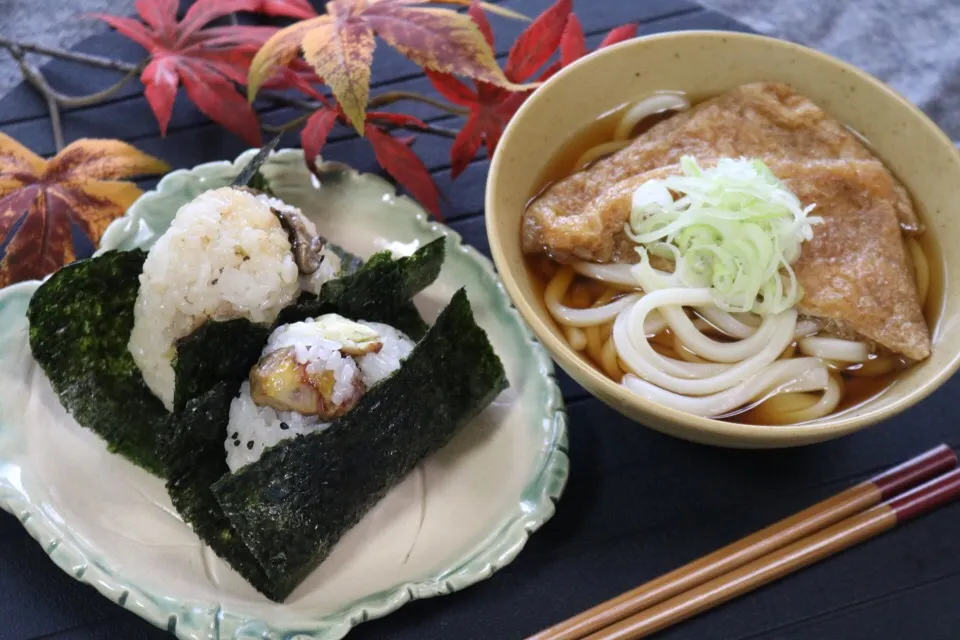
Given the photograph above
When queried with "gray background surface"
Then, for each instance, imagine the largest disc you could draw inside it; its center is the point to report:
(55, 23)
(912, 45)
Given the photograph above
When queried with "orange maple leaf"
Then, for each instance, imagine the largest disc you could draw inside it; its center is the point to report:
(340, 44)
(42, 201)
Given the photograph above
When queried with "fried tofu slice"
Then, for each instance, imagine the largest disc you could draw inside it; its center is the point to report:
(570, 220)
(855, 272)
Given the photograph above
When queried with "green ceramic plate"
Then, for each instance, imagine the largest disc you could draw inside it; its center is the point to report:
(464, 513)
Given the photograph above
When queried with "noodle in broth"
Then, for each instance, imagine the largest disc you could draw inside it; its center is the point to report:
(675, 347)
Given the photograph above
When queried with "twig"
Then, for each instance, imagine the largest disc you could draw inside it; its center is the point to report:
(34, 77)
(308, 105)
(54, 110)
(396, 96)
(75, 56)
(286, 126)
(99, 96)
(443, 132)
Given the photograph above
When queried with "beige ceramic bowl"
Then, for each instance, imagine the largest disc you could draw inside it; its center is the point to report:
(702, 64)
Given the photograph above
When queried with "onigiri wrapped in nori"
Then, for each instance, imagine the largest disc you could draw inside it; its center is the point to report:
(226, 255)
(292, 505)
(309, 373)
(249, 363)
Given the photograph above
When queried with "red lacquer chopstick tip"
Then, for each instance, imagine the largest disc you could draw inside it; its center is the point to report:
(914, 471)
(926, 497)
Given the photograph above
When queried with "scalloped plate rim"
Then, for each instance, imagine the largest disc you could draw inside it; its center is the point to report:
(496, 550)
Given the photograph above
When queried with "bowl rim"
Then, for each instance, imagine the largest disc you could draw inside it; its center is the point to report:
(572, 362)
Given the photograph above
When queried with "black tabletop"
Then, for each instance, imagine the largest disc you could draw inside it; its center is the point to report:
(637, 503)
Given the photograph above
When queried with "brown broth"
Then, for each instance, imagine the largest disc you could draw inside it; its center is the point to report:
(856, 390)
(597, 132)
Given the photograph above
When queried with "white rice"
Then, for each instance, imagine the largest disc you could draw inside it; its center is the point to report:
(253, 429)
(224, 256)
(329, 269)
(374, 367)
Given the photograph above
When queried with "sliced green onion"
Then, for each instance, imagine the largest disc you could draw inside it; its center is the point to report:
(734, 228)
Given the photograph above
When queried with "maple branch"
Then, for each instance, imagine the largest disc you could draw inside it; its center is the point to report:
(54, 98)
(286, 126)
(63, 54)
(35, 78)
(443, 132)
(279, 98)
(99, 96)
(396, 96)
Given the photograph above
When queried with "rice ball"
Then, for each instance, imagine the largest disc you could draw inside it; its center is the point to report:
(224, 256)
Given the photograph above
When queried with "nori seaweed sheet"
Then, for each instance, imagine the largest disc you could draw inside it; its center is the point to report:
(291, 506)
(195, 459)
(216, 352)
(80, 323)
(380, 291)
(259, 182)
(349, 263)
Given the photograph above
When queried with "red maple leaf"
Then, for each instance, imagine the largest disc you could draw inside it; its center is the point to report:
(208, 62)
(492, 107)
(573, 45)
(392, 153)
(300, 9)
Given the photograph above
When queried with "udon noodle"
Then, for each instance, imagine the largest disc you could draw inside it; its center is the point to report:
(672, 343)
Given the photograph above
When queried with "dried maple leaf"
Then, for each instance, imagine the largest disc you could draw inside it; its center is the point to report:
(340, 45)
(491, 107)
(208, 62)
(392, 153)
(42, 202)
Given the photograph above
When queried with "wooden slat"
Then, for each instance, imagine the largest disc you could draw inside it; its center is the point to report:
(23, 104)
(883, 617)
(36, 597)
(643, 535)
(535, 596)
(124, 627)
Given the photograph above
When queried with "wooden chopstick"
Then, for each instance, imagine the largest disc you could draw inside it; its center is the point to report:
(821, 515)
(786, 560)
